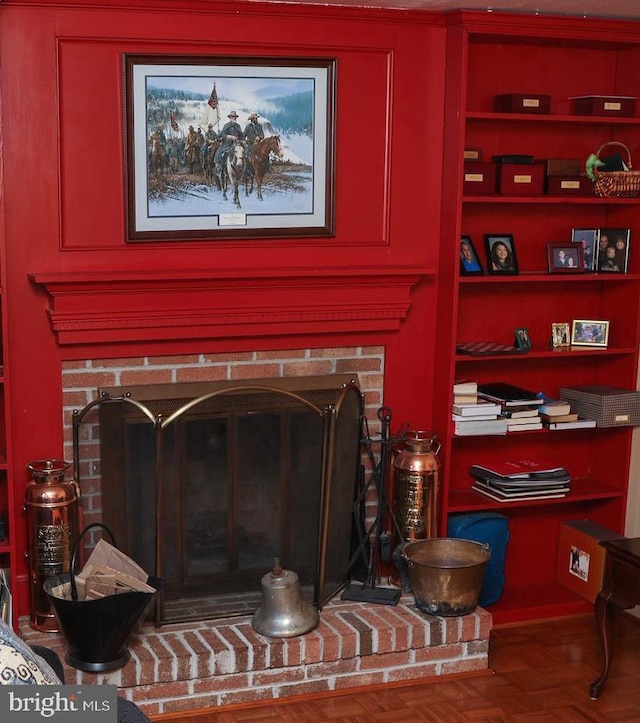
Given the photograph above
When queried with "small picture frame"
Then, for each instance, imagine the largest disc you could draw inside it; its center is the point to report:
(588, 240)
(590, 332)
(469, 261)
(613, 250)
(560, 335)
(501, 254)
(564, 258)
(523, 340)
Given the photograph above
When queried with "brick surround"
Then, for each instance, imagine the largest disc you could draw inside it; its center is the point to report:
(195, 665)
(81, 378)
(198, 665)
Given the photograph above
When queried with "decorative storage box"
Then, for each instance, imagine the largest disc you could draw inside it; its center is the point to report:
(491, 528)
(515, 179)
(522, 103)
(609, 406)
(569, 186)
(616, 105)
(479, 177)
(563, 166)
(581, 558)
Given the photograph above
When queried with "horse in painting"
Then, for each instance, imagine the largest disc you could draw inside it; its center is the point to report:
(157, 158)
(233, 172)
(258, 164)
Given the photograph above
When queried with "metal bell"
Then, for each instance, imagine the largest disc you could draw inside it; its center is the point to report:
(283, 612)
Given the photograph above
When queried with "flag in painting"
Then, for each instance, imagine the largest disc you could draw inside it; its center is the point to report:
(213, 104)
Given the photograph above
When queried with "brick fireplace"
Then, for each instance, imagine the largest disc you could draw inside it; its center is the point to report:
(223, 662)
(244, 471)
(148, 327)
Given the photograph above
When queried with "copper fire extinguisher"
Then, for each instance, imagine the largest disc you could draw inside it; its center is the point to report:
(416, 471)
(52, 507)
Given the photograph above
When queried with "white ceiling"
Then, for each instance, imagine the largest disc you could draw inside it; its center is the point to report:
(627, 9)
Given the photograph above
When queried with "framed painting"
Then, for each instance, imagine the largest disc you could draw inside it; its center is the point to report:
(224, 148)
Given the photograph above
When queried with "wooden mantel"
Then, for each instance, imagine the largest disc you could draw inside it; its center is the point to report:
(93, 307)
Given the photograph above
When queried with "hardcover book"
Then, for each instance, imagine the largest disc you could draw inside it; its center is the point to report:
(498, 497)
(489, 409)
(490, 426)
(577, 424)
(465, 387)
(509, 395)
(555, 408)
(572, 417)
(528, 410)
(519, 469)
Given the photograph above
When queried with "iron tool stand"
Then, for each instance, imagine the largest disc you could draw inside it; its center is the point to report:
(375, 534)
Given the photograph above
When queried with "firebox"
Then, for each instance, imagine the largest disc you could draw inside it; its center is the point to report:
(205, 484)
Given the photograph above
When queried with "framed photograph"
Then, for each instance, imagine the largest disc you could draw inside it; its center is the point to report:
(587, 238)
(523, 341)
(613, 250)
(560, 335)
(586, 332)
(563, 258)
(501, 254)
(469, 262)
(224, 148)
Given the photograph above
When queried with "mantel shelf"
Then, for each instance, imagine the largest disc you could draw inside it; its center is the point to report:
(114, 307)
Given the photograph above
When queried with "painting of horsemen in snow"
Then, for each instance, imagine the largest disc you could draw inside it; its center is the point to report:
(233, 148)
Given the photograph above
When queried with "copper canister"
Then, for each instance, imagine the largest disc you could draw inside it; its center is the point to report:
(416, 475)
(52, 507)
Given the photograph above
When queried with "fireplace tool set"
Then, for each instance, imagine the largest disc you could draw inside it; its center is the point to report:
(406, 479)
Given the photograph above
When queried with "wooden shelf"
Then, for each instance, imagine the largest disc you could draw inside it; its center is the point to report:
(558, 354)
(543, 200)
(541, 118)
(537, 602)
(469, 500)
(482, 63)
(542, 277)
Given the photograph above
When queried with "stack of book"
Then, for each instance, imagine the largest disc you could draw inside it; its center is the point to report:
(518, 406)
(519, 480)
(472, 415)
(557, 414)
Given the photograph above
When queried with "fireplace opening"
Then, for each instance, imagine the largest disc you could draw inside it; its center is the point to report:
(205, 484)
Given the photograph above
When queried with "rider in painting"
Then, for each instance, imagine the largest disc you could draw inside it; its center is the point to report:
(229, 135)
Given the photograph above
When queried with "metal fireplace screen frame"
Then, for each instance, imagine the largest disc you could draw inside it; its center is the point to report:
(341, 436)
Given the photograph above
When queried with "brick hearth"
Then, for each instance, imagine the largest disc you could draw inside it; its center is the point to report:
(215, 663)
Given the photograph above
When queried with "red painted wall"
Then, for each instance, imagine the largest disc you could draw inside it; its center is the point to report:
(63, 182)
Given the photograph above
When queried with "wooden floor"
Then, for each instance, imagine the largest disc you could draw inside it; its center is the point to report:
(541, 672)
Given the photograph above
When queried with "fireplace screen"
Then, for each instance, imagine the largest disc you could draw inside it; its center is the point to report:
(206, 484)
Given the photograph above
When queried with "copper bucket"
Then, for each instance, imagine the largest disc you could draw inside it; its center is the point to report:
(446, 574)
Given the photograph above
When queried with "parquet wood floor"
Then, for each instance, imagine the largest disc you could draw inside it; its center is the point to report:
(540, 672)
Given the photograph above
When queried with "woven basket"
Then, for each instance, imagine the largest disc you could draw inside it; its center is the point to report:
(616, 184)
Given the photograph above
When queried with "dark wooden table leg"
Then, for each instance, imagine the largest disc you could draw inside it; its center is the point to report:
(604, 627)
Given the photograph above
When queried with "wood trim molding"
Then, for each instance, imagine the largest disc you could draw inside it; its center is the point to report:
(113, 307)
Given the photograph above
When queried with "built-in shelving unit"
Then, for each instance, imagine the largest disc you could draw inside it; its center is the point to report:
(561, 58)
